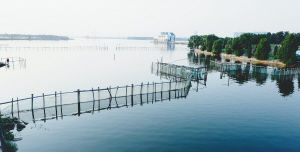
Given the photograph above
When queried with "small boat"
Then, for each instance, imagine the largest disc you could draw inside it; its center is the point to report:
(2, 64)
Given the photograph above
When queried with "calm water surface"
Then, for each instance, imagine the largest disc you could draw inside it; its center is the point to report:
(243, 112)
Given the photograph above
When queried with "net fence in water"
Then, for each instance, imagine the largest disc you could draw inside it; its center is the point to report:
(59, 104)
(180, 71)
(227, 67)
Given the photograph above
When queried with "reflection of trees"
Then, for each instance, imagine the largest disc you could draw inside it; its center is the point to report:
(285, 84)
(242, 74)
(207, 60)
(192, 57)
(260, 78)
(298, 81)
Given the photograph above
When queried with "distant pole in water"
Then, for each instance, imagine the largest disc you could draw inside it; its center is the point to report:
(114, 56)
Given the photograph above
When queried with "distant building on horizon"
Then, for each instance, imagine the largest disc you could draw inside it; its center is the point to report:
(165, 37)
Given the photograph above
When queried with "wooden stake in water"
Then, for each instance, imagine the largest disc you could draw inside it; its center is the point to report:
(78, 99)
(131, 94)
(55, 95)
(60, 98)
(99, 98)
(18, 108)
(12, 107)
(126, 95)
(32, 108)
(44, 107)
(141, 94)
(93, 99)
(147, 91)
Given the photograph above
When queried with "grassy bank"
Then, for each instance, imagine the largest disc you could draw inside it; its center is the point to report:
(274, 63)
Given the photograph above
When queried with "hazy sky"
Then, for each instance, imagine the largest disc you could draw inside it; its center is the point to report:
(147, 17)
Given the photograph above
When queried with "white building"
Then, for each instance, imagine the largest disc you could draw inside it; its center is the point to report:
(298, 54)
(165, 37)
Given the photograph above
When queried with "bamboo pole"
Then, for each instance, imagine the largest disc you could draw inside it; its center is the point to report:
(141, 94)
(44, 107)
(131, 94)
(93, 99)
(99, 98)
(32, 108)
(12, 107)
(78, 100)
(55, 95)
(60, 98)
(18, 108)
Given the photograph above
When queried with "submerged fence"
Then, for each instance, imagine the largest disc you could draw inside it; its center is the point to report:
(227, 67)
(59, 104)
(182, 72)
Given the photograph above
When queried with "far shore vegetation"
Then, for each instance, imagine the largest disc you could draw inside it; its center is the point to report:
(269, 46)
(32, 37)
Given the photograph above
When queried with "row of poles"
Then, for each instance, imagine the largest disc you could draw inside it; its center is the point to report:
(129, 92)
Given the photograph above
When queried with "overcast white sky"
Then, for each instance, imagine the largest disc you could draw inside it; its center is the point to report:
(147, 17)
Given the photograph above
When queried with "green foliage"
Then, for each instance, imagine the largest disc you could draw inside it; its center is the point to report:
(226, 41)
(11, 146)
(236, 47)
(245, 40)
(210, 39)
(249, 51)
(275, 51)
(263, 49)
(287, 52)
(217, 47)
(203, 48)
(242, 44)
(192, 42)
(228, 47)
(8, 135)
(8, 124)
(228, 50)
(195, 41)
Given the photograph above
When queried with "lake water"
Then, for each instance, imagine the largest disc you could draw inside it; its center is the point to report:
(240, 112)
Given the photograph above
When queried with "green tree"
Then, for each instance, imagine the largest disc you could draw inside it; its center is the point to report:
(275, 50)
(263, 49)
(236, 47)
(210, 39)
(249, 51)
(287, 52)
(246, 39)
(217, 47)
(228, 47)
(195, 41)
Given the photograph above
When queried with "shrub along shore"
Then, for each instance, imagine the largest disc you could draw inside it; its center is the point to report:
(274, 49)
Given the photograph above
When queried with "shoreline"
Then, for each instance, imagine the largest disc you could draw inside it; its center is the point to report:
(273, 63)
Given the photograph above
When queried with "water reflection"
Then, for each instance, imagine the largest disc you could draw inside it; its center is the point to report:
(298, 81)
(246, 72)
(165, 46)
(285, 84)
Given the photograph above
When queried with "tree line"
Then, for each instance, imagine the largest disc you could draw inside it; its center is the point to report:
(251, 45)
